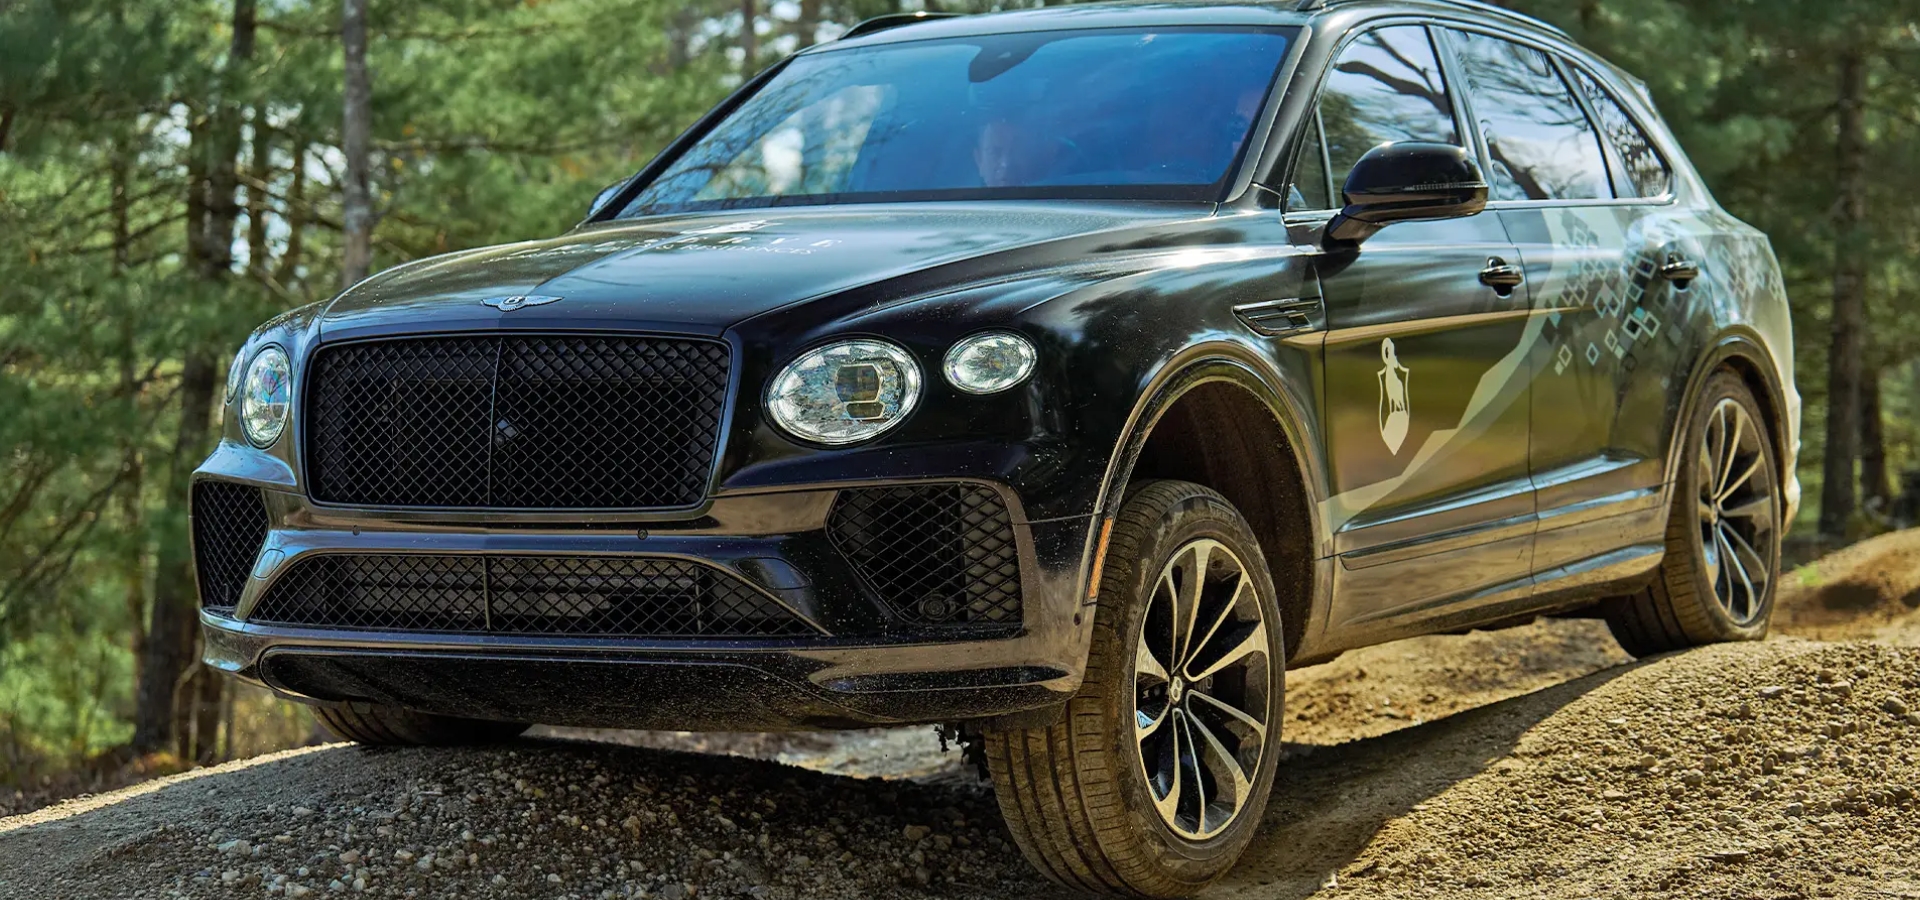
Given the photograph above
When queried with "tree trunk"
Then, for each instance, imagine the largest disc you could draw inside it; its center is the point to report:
(133, 554)
(808, 24)
(172, 638)
(260, 173)
(356, 211)
(749, 40)
(1849, 301)
(1876, 489)
(170, 628)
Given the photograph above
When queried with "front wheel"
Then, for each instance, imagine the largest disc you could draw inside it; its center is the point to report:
(1716, 583)
(1154, 783)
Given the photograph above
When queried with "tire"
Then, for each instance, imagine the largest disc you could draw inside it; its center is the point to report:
(1076, 795)
(369, 723)
(1696, 598)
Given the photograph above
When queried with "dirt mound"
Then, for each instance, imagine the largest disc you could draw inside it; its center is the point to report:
(1785, 769)
(1779, 769)
(1868, 590)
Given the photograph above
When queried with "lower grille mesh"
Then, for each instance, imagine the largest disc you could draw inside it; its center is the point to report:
(527, 595)
(934, 554)
(229, 525)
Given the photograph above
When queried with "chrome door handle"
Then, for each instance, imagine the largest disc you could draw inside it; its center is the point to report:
(1680, 270)
(1501, 277)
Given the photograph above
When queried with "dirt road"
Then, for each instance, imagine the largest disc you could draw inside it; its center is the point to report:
(1534, 762)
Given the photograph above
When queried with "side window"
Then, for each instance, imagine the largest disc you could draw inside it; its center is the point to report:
(1309, 190)
(1386, 86)
(1541, 144)
(1645, 170)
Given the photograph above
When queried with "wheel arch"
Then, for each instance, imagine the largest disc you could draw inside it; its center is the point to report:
(1211, 417)
(1744, 353)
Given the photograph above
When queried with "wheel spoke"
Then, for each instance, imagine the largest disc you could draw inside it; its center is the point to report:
(1187, 607)
(1252, 639)
(1759, 511)
(1226, 612)
(1739, 481)
(1730, 448)
(1725, 568)
(1739, 567)
(1199, 785)
(1749, 560)
(1146, 666)
(1235, 774)
(1245, 718)
(1711, 550)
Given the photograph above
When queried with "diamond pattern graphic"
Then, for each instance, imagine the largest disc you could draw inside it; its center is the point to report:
(527, 595)
(516, 422)
(934, 553)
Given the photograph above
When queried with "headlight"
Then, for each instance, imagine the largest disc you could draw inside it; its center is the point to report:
(266, 396)
(987, 363)
(845, 392)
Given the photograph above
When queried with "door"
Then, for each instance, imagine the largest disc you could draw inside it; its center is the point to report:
(1589, 244)
(1425, 371)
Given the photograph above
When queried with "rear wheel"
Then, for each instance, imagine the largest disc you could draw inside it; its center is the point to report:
(370, 723)
(1723, 535)
(1159, 774)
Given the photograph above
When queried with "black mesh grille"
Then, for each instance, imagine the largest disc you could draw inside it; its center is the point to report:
(934, 553)
(515, 422)
(523, 595)
(229, 525)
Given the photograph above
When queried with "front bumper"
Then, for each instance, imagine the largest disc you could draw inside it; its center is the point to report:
(852, 667)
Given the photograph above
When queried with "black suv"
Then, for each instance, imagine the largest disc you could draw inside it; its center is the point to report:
(1065, 375)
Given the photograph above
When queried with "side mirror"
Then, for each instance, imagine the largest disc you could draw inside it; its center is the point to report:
(1407, 180)
(605, 196)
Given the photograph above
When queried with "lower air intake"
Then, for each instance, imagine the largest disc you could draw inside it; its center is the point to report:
(229, 525)
(934, 554)
(524, 595)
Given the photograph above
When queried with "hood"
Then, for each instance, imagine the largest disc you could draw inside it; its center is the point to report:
(702, 273)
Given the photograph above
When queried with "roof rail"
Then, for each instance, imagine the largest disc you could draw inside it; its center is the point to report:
(894, 20)
(1476, 5)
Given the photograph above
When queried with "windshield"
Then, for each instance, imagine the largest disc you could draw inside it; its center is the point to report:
(1111, 113)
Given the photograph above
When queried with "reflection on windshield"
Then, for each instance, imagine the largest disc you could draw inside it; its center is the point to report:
(1129, 114)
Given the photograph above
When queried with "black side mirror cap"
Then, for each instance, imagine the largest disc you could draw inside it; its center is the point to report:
(1404, 181)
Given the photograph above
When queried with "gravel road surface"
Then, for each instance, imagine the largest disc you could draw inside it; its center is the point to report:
(1533, 762)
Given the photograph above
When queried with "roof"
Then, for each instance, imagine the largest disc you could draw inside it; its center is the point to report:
(911, 27)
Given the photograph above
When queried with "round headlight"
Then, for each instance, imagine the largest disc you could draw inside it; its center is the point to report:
(845, 392)
(265, 397)
(987, 363)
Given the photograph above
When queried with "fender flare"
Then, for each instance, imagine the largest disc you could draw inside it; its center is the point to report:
(1742, 344)
(1217, 362)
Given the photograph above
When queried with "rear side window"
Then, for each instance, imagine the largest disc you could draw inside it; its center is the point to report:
(1646, 172)
(1541, 145)
(1386, 86)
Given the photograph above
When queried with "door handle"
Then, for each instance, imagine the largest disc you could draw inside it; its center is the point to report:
(1501, 277)
(1680, 270)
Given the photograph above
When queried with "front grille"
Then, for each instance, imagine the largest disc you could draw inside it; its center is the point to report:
(526, 595)
(515, 422)
(229, 525)
(934, 554)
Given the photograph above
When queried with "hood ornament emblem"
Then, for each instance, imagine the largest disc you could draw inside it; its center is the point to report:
(512, 302)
